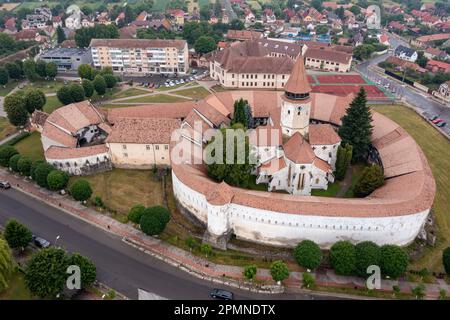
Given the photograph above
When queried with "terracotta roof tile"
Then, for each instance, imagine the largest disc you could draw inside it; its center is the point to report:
(58, 153)
(298, 80)
(323, 134)
(298, 150)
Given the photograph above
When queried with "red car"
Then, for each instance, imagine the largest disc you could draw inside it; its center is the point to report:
(437, 121)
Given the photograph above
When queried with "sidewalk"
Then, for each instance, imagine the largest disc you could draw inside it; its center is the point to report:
(197, 266)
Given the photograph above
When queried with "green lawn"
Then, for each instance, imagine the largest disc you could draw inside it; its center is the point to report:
(52, 104)
(6, 129)
(17, 289)
(120, 189)
(31, 147)
(437, 150)
(356, 174)
(194, 93)
(46, 86)
(333, 189)
(129, 93)
(4, 90)
(159, 98)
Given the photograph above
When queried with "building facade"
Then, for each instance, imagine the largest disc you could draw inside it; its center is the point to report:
(141, 56)
(67, 58)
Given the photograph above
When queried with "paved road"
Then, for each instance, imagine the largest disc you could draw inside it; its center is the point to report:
(118, 265)
(419, 100)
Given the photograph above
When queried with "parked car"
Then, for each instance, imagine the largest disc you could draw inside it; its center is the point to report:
(442, 124)
(4, 185)
(436, 121)
(432, 117)
(182, 81)
(191, 78)
(40, 242)
(222, 294)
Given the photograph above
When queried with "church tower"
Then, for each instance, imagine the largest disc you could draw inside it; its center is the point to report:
(296, 104)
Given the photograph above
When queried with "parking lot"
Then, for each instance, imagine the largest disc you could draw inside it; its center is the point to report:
(158, 80)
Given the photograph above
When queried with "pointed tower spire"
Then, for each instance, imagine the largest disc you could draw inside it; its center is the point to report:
(297, 87)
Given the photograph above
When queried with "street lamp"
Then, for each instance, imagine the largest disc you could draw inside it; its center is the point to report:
(57, 238)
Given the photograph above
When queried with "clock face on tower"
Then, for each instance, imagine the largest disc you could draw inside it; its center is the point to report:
(299, 108)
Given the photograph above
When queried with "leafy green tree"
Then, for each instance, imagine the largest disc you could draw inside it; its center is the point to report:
(394, 261)
(191, 243)
(81, 190)
(13, 162)
(356, 128)
(34, 100)
(24, 166)
(99, 85)
(85, 71)
(33, 168)
(14, 70)
(4, 76)
(110, 80)
(136, 213)
(419, 291)
(88, 87)
(250, 271)
(64, 95)
(322, 29)
(371, 179)
(87, 268)
(308, 281)
(60, 35)
(17, 235)
(279, 271)
(45, 273)
(6, 265)
(51, 70)
(236, 24)
(77, 92)
(205, 44)
(41, 172)
(446, 260)
(29, 69)
(14, 105)
(57, 180)
(343, 160)
(106, 70)
(40, 68)
(367, 254)
(84, 36)
(206, 249)
(154, 220)
(363, 51)
(421, 59)
(442, 294)
(308, 254)
(6, 152)
(343, 258)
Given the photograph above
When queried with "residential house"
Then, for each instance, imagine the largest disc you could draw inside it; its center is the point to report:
(438, 66)
(38, 19)
(435, 53)
(444, 91)
(249, 17)
(73, 22)
(57, 21)
(244, 35)
(225, 18)
(10, 25)
(384, 39)
(120, 18)
(406, 53)
(324, 58)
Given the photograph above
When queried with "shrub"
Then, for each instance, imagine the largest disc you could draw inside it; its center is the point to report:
(13, 162)
(81, 190)
(64, 95)
(442, 294)
(136, 213)
(308, 280)
(110, 80)
(41, 173)
(191, 242)
(419, 291)
(99, 85)
(279, 271)
(16, 234)
(371, 179)
(250, 272)
(77, 92)
(57, 180)
(6, 152)
(367, 254)
(6, 265)
(446, 260)
(24, 166)
(308, 254)
(343, 258)
(99, 202)
(393, 260)
(88, 87)
(154, 220)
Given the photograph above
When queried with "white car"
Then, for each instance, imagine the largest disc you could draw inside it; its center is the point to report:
(172, 84)
(182, 81)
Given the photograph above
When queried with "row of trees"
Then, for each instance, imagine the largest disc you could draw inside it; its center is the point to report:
(45, 174)
(152, 220)
(30, 69)
(348, 259)
(21, 104)
(93, 80)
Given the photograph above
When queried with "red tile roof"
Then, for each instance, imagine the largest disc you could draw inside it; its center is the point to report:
(298, 150)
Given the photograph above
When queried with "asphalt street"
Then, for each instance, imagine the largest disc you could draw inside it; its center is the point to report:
(119, 265)
(420, 100)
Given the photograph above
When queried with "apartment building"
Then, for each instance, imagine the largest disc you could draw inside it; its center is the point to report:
(141, 56)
